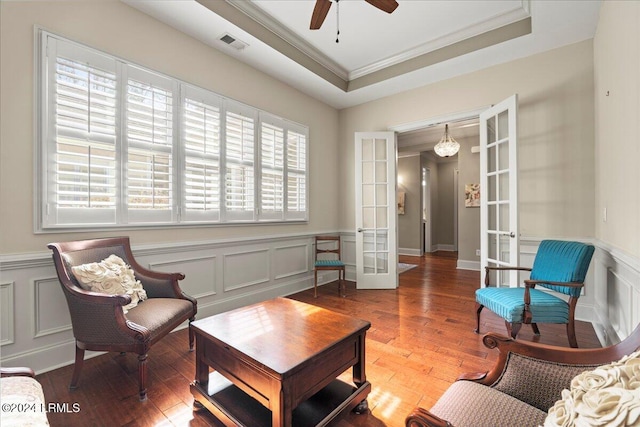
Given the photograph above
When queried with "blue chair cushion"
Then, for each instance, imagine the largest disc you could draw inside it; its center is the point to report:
(508, 303)
(562, 261)
(329, 263)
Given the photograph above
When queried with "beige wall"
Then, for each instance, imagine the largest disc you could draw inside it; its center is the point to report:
(120, 30)
(468, 218)
(444, 221)
(617, 106)
(556, 135)
(409, 224)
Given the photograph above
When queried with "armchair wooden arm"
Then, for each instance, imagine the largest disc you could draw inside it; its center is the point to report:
(423, 418)
(519, 366)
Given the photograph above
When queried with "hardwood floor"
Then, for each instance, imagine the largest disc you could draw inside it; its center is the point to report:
(421, 339)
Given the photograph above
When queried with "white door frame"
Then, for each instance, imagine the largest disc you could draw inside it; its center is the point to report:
(438, 120)
(426, 209)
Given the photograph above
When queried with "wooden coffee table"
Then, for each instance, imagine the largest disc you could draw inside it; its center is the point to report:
(276, 363)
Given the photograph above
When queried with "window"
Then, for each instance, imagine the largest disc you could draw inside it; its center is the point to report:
(122, 146)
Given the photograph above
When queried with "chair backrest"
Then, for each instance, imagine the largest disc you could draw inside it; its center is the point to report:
(562, 261)
(321, 246)
(69, 254)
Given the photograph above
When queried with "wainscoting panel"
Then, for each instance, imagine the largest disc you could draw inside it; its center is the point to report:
(7, 302)
(51, 315)
(194, 270)
(291, 261)
(244, 269)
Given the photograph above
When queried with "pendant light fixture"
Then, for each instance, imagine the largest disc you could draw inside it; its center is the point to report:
(447, 146)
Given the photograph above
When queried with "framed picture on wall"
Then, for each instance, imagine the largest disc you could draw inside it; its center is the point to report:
(472, 195)
(401, 196)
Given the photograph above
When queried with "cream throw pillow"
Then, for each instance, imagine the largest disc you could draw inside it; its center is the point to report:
(606, 396)
(110, 276)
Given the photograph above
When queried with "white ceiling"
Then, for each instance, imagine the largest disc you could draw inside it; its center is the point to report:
(378, 54)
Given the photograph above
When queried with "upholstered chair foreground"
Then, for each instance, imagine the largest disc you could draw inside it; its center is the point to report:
(23, 402)
(533, 384)
(559, 266)
(115, 303)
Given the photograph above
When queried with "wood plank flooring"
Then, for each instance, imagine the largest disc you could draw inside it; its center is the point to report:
(420, 340)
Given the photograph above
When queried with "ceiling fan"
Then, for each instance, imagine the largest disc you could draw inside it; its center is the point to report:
(322, 8)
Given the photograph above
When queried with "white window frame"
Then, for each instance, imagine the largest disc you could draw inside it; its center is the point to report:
(46, 218)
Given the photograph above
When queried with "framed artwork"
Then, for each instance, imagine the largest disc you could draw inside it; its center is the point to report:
(472, 195)
(401, 196)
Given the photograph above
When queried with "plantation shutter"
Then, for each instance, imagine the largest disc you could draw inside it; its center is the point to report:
(80, 136)
(201, 155)
(272, 168)
(297, 190)
(149, 134)
(239, 182)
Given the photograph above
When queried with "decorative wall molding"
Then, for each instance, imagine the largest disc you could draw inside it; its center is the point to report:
(39, 334)
(7, 324)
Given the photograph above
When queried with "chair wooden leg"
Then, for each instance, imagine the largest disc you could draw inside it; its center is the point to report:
(513, 328)
(315, 283)
(534, 326)
(479, 308)
(192, 335)
(142, 376)
(571, 334)
(342, 284)
(77, 367)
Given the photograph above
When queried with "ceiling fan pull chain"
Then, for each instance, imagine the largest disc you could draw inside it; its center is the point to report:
(337, 20)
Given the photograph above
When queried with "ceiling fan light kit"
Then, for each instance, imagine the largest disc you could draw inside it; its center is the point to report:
(447, 146)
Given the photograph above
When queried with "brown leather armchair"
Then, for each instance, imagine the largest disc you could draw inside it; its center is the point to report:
(99, 321)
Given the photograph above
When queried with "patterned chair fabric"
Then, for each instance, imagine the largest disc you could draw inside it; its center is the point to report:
(556, 262)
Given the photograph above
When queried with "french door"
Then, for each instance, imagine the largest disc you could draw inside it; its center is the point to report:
(499, 237)
(376, 210)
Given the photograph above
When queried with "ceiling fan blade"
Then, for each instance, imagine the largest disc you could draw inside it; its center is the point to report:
(319, 13)
(386, 5)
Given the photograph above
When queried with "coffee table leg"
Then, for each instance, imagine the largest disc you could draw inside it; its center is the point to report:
(202, 369)
(281, 413)
(359, 376)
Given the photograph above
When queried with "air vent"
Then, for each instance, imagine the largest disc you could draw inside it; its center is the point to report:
(232, 41)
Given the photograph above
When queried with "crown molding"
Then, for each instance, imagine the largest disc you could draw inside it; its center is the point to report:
(277, 28)
(280, 30)
(470, 31)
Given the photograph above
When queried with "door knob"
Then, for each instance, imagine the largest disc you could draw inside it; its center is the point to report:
(360, 230)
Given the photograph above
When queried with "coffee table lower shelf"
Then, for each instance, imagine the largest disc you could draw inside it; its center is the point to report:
(234, 407)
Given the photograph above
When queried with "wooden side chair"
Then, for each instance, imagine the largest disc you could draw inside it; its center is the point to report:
(105, 319)
(329, 245)
(560, 266)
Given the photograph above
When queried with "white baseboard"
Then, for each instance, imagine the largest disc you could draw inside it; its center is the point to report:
(409, 251)
(468, 265)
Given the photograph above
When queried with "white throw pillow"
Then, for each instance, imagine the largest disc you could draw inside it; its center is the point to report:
(606, 396)
(110, 276)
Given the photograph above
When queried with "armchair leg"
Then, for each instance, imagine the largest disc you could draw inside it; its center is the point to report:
(315, 283)
(142, 376)
(534, 326)
(571, 334)
(77, 367)
(513, 328)
(191, 334)
(479, 308)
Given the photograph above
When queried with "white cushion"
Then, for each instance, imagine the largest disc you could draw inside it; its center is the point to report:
(606, 396)
(110, 276)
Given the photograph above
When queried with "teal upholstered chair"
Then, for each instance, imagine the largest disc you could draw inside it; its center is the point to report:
(560, 266)
(329, 245)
